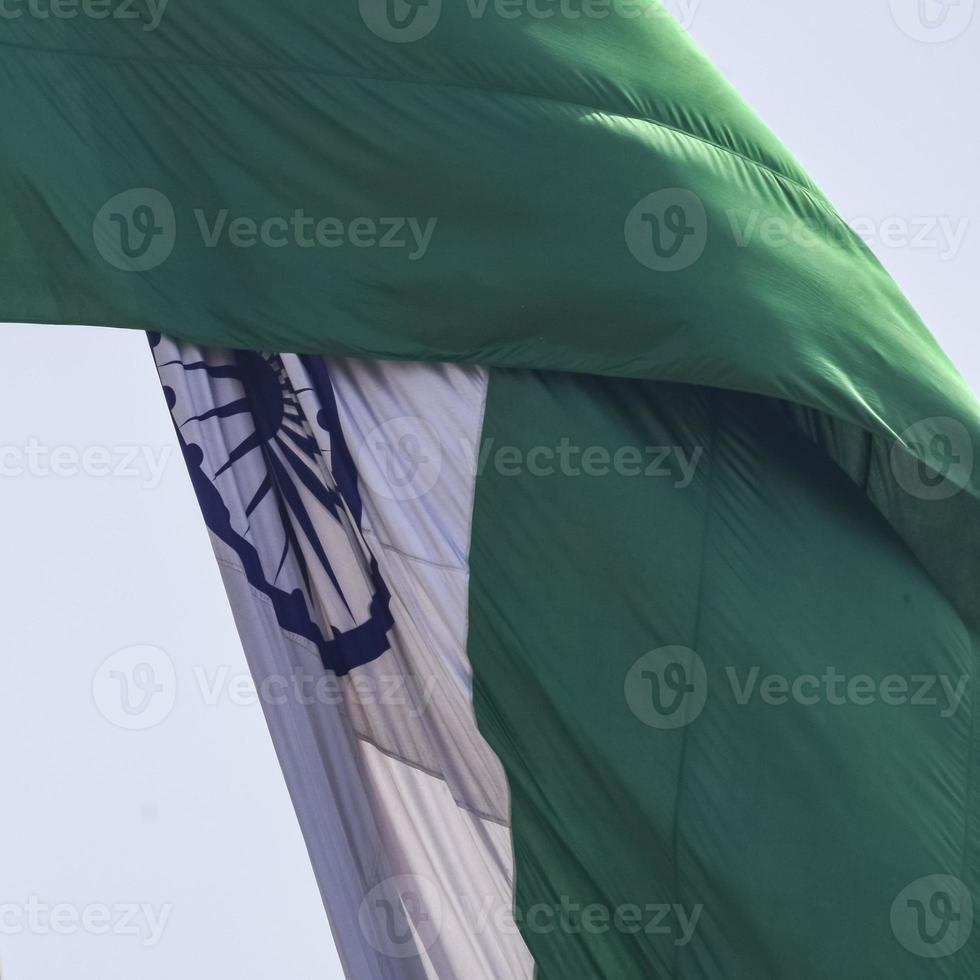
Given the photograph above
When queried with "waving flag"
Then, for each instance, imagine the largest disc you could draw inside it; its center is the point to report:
(608, 569)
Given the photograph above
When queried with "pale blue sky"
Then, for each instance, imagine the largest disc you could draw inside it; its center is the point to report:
(189, 819)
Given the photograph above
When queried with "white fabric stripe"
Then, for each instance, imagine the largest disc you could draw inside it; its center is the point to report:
(457, 865)
(425, 421)
(402, 804)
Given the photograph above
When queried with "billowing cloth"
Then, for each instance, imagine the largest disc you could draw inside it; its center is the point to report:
(679, 518)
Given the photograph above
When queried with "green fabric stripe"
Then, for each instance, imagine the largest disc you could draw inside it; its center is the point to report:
(794, 826)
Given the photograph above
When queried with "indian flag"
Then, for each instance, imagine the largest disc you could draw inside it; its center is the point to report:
(606, 563)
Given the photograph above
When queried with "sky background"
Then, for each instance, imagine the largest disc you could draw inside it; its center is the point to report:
(185, 826)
